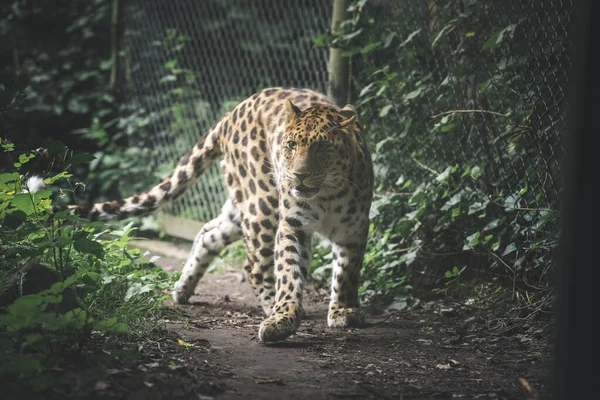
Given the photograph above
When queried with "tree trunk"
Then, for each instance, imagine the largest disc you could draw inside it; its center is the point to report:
(339, 67)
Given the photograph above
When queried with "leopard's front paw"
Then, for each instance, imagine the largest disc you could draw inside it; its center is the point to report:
(280, 325)
(180, 296)
(183, 290)
(345, 318)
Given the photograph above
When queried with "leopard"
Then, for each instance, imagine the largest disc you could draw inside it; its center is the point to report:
(295, 165)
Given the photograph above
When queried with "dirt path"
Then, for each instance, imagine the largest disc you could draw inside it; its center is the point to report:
(429, 352)
(210, 350)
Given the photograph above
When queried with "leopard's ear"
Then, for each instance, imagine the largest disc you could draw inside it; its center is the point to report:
(349, 114)
(292, 111)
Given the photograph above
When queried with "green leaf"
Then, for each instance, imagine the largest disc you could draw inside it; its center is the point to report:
(42, 194)
(492, 41)
(24, 203)
(9, 178)
(447, 127)
(444, 175)
(171, 64)
(85, 75)
(385, 110)
(85, 245)
(64, 241)
(61, 175)
(499, 37)
(388, 39)
(8, 147)
(168, 78)
(472, 241)
(477, 206)
(496, 244)
(491, 225)
(351, 35)
(23, 159)
(367, 89)
(14, 219)
(475, 172)
(410, 38)
(320, 40)
(443, 31)
(523, 191)
(509, 249)
(412, 95)
(78, 106)
(106, 65)
(27, 306)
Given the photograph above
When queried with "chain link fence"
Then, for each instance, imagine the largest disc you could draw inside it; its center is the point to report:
(466, 107)
(464, 92)
(494, 74)
(190, 61)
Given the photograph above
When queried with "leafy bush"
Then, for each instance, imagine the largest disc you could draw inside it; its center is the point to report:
(465, 154)
(91, 281)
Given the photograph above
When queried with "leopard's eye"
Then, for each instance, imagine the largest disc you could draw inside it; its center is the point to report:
(292, 145)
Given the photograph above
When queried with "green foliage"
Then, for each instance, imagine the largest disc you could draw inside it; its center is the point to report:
(67, 92)
(99, 284)
(465, 160)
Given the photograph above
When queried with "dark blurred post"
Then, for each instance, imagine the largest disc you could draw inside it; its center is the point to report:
(576, 371)
(114, 43)
(339, 67)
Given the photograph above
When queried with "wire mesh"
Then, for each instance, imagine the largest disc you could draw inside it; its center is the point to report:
(518, 76)
(190, 61)
(495, 103)
(488, 83)
(476, 88)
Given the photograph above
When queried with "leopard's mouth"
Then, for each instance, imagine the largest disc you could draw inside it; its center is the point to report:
(305, 191)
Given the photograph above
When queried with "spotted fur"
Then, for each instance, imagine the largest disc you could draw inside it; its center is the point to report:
(295, 165)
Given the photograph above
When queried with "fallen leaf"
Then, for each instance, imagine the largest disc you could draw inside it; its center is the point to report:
(529, 388)
(185, 344)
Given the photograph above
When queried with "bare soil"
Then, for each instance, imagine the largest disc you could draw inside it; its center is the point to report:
(210, 350)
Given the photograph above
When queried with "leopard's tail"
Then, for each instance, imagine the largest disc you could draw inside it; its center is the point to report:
(191, 166)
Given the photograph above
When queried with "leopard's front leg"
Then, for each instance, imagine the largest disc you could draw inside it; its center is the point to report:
(292, 249)
(348, 252)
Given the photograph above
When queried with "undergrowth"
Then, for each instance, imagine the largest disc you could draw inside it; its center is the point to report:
(64, 279)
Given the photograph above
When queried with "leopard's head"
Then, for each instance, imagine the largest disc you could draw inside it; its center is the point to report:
(317, 148)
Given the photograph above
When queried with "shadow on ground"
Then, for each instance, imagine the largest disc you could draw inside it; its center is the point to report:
(210, 350)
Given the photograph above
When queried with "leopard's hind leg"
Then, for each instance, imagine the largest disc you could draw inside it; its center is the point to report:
(212, 238)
